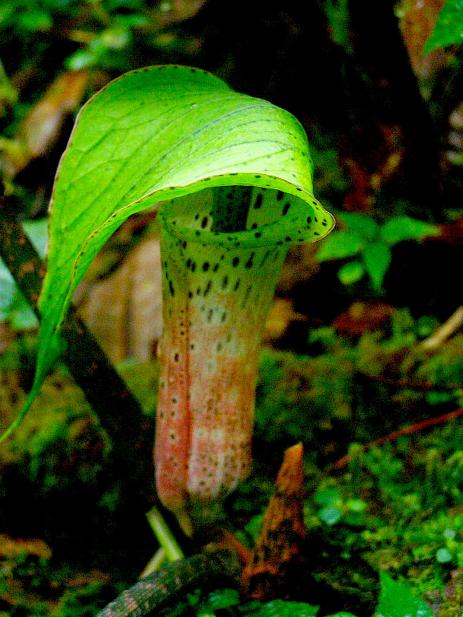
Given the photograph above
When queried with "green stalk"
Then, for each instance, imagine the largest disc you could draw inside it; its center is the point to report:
(164, 536)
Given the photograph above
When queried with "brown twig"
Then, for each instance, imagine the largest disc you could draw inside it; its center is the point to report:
(406, 430)
(118, 411)
(443, 332)
(412, 384)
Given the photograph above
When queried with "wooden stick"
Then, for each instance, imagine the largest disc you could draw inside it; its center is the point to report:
(118, 411)
(443, 332)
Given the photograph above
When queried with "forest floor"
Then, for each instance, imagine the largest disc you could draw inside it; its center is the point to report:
(70, 542)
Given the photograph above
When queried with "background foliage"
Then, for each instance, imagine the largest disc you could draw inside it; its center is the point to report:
(356, 365)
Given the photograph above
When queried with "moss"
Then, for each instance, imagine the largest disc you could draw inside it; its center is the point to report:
(86, 600)
(60, 442)
(33, 584)
(392, 516)
(299, 398)
(397, 508)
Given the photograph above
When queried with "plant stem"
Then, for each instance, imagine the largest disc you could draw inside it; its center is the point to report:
(154, 563)
(164, 535)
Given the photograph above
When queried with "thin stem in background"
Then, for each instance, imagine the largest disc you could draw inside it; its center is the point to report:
(164, 536)
(117, 409)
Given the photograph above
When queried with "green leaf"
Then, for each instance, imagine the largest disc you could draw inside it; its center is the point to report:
(35, 20)
(361, 224)
(328, 496)
(342, 614)
(340, 245)
(443, 555)
(401, 228)
(254, 525)
(282, 608)
(155, 135)
(397, 599)
(377, 258)
(330, 515)
(221, 599)
(337, 12)
(356, 505)
(449, 27)
(351, 272)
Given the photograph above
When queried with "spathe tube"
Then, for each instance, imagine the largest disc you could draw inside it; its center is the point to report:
(217, 292)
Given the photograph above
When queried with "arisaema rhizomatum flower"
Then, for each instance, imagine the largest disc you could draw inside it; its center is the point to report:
(217, 291)
(232, 176)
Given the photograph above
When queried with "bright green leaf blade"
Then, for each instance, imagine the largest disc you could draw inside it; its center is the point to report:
(377, 258)
(401, 228)
(351, 272)
(153, 135)
(360, 224)
(449, 27)
(340, 245)
(397, 599)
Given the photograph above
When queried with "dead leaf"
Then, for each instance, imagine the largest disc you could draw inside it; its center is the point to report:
(383, 166)
(174, 11)
(282, 315)
(41, 127)
(124, 310)
(300, 265)
(417, 21)
(363, 317)
(11, 548)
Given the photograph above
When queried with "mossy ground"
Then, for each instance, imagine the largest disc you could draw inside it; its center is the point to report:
(397, 508)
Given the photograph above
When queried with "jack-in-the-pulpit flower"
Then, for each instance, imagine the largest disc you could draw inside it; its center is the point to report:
(238, 175)
(217, 292)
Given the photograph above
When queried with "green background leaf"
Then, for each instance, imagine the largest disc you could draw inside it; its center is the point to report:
(401, 228)
(377, 258)
(361, 224)
(157, 134)
(221, 599)
(397, 599)
(339, 245)
(351, 272)
(449, 26)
